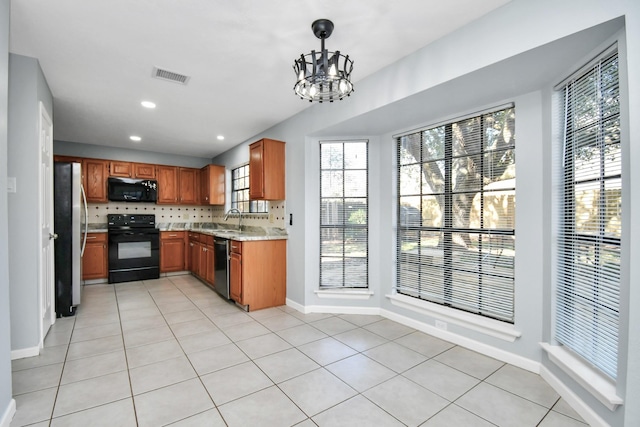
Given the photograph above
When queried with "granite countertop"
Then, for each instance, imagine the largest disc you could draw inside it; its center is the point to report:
(247, 234)
(96, 228)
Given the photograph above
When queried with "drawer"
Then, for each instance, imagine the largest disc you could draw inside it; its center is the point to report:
(194, 237)
(236, 247)
(96, 237)
(206, 239)
(165, 235)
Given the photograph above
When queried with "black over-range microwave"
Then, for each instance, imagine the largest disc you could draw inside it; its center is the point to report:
(132, 190)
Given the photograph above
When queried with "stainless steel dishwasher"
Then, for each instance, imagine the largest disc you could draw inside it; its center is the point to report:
(221, 261)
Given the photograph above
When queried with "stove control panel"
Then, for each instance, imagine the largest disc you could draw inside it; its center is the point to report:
(131, 220)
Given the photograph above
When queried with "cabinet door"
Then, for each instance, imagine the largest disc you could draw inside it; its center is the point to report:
(144, 171)
(212, 185)
(256, 170)
(267, 170)
(211, 266)
(94, 173)
(171, 252)
(235, 278)
(123, 169)
(167, 184)
(94, 260)
(187, 179)
(202, 268)
(195, 249)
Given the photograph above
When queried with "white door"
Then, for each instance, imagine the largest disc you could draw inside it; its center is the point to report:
(46, 261)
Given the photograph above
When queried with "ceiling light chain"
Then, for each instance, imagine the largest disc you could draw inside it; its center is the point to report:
(323, 76)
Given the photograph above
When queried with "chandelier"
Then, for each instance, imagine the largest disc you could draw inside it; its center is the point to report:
(323, 76)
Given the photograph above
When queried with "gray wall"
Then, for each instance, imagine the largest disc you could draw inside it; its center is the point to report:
(5, 338)
(463, 72)
(27, 87)
(112, 153)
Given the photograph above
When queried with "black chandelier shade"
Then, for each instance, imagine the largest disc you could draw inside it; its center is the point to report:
(323, 76)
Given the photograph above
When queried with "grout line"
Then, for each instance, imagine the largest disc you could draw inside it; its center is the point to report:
(155, 294)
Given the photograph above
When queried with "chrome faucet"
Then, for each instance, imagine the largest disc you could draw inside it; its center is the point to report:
(226, 216)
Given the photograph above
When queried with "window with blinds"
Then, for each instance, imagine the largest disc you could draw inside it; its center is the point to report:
(240, 192)
(456, 214)
(588, 216)
(344, 215)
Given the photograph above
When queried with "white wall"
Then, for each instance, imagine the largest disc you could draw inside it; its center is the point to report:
(7, 405)
(513, 54)
(27, 87)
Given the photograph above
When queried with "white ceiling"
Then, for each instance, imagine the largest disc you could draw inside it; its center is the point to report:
(98, 58)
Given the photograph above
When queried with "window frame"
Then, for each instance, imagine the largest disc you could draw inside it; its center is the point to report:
(568, 238)
(255, 206)
(344, 227)
(447, 226)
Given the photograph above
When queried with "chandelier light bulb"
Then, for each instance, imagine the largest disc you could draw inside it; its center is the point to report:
(313, 91)
(332, 70)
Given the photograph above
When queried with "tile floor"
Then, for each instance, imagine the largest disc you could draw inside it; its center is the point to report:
(172, 352)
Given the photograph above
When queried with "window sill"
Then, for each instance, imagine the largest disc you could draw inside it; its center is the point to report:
(344, 293)
(600, 387)
(494, 328)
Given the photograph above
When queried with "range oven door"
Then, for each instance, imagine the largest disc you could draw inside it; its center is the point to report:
(134, 254)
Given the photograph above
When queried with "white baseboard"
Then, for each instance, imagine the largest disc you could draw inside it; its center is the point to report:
(25, 352)
(487, 350)
(295, 305)
(496, 353)
(8, 414)
(588, 414)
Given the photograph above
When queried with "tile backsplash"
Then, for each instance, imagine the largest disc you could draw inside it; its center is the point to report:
(187, 214)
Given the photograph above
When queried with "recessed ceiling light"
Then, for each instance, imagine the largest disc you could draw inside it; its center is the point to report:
(220, 137)
(135, 138)
(148, 104)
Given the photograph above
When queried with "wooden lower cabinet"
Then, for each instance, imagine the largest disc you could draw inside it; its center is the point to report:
(207, 266)
(172, 251)
(194, 258)
(258, 273)
(201, 256)
(94, 259)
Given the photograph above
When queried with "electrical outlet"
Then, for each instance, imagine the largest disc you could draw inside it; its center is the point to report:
(185, 216)
(271, 218)
(441, 325)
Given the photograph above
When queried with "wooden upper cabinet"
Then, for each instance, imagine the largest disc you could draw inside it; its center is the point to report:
(188, 186)
(70, 159)
(167, 184)
(267, 170)
(212, 185)
(122, 169)
(144, 171)
(94, 176)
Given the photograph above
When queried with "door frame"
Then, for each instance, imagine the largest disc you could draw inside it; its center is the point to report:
(45, 127)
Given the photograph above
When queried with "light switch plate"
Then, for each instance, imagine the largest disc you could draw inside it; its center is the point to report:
(11, 184)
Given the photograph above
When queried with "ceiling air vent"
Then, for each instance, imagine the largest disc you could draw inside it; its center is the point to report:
(170, 76)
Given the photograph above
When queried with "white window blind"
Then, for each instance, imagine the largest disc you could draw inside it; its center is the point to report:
(240, 192)
(589, 207)
(344, 214)
(456, 214)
